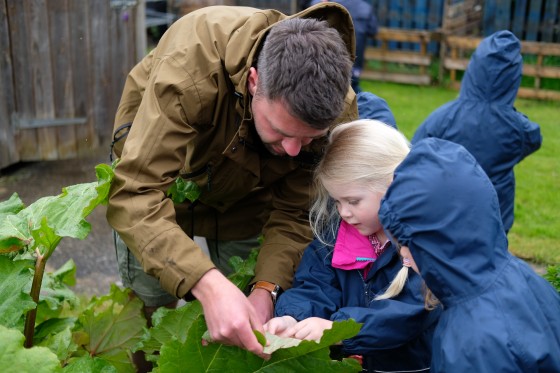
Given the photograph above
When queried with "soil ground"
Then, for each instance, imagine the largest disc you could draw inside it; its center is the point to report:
(94, 256)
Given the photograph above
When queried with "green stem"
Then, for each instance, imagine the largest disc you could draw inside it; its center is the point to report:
(29, 330)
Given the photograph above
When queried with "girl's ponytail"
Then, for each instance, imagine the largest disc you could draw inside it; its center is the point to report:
(398, 282)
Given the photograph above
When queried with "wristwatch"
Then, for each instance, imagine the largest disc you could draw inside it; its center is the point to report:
(273, 289)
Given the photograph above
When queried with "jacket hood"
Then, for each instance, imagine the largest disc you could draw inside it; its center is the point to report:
(242, 57)
(494, 70)
(371, 106)
(442, 205)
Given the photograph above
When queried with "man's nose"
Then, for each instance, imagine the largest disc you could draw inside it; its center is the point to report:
(292, 146)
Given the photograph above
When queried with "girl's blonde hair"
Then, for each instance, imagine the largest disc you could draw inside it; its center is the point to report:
(364, 152)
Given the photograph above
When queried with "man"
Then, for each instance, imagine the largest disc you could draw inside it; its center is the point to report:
(237, 101)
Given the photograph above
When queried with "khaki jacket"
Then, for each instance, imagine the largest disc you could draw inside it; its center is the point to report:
(190, 109)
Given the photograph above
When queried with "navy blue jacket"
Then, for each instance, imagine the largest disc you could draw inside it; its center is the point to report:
(396, 333)
(484, 120)
(498, 314)
(371, 106)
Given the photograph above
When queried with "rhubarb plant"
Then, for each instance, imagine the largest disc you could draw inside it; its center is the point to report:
(45, 328)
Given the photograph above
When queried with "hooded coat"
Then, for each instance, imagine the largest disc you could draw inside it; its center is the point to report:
(498, 314)
(371, 106)
(190, 110)
(396, 333)
(484, 120)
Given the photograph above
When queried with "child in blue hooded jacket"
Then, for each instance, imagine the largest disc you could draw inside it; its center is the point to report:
(498, 314)
(484, 120)
(351, 262)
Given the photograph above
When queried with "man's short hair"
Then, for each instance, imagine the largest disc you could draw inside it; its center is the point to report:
(306, 64)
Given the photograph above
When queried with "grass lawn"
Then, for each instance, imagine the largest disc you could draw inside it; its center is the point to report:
(535, 235)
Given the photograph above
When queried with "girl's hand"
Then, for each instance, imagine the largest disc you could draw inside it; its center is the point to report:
(310, 329)
(279, 325)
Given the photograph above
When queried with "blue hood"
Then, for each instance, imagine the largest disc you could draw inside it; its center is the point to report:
(494, 70)
(371, 106)
(442, 205)
(484, 120)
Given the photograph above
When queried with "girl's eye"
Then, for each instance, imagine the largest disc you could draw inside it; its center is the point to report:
(353, 202)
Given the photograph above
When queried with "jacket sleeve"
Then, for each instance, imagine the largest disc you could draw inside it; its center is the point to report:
(315, 291)
(152, 157)
(532, 137)
(389, 323)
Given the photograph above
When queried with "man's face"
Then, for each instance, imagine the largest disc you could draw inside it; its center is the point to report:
(281, 133)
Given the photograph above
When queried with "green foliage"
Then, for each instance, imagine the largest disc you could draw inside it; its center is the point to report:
(553, 276)
(182, 190)
(15, 358)
(101, 336)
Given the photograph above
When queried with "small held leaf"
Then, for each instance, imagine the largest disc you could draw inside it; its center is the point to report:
(182, 190)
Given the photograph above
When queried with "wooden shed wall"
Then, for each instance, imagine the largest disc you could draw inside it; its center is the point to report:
(63, 65)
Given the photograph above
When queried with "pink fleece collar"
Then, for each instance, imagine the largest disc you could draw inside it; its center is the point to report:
(352, 250)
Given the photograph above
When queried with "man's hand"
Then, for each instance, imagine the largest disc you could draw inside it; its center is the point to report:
(280, 325)
(310, 329)
(229, 315)
(262, 301)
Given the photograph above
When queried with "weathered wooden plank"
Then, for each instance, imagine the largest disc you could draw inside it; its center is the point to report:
(399, 34)
(541, 71)
(396, 77)
(8, 150)
(455, 63)
(101, 79)
(549, 49)
(42, 74)
(407, 57)
(26, 140)
(59, 32)
(541, 94)
(80, 45)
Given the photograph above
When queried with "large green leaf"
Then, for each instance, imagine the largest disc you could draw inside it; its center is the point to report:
(11, 206)
(168, 325)
(15, 277)
(308, 356)
(182, 190)
(14, 358)
(49, 218)
(114, 324)
(88, 364)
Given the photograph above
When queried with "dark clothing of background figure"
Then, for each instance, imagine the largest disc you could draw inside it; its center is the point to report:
(365, 26)
(498, 314)
(484, 120)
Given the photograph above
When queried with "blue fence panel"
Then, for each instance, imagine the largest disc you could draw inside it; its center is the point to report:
(551, 22)
(518, 23)
(533, 20)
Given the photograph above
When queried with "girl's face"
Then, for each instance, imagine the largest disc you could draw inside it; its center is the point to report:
(358, 206)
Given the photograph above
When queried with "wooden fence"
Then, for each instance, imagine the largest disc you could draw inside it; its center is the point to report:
(62, 67)
(534, 54)
(385, 64)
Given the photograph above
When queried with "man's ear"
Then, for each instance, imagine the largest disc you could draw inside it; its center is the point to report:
(252, 81)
